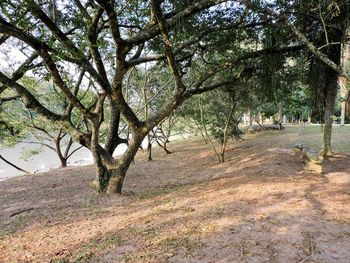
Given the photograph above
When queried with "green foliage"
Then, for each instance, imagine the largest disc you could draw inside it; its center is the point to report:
(27, 154)
(217, 109)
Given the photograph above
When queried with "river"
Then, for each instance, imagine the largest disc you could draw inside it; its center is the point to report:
(47, 159)
(44, 161)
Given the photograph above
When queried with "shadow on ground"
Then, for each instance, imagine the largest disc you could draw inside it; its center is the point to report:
(259, 206)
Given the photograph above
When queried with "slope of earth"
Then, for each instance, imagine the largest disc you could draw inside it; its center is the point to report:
(259, 206)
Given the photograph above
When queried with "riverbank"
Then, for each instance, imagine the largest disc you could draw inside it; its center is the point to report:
(259, 206)
(47, 160)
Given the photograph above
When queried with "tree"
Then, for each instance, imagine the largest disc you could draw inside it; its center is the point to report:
(329, 20)
(343, 82)
(32, 128)
(103, 41)
(218, 114)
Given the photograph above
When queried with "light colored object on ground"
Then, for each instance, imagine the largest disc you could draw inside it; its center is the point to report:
(313, 163)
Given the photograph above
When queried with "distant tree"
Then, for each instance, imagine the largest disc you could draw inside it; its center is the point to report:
(322, 26)
(32, 128)
(218, 114)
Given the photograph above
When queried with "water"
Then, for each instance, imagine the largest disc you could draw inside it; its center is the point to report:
(46, 160)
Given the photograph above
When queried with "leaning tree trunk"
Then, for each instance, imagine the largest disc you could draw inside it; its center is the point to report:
(165, 147)
(328, 121)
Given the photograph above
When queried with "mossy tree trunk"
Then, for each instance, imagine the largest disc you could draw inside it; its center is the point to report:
(110, 173)
(118, 173)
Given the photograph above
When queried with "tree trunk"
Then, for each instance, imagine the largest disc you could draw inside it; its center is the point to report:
(261, 120)
(63, 162)
(280, 111)
(342, 114)
(165, 148)
(345, 65)
(328, 121)
(250, 118)
(117, 174)
(222, 157)
(149, 150)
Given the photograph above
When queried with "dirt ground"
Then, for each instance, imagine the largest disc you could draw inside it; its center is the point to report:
(258, 206)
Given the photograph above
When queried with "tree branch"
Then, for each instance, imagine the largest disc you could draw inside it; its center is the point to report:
(168, 45)
(13, 165)
(284, 20)
(147, 34)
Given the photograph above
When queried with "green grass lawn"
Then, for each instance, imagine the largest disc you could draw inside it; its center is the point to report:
(311, 136)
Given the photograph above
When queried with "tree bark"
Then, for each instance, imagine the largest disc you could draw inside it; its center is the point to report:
(342, 114)
(62, 158)
(118, 173)
(328, 121)
(149, 150)
(250, 118)
(63, 162)
(345, 65)
(163, 146)
(113, 139)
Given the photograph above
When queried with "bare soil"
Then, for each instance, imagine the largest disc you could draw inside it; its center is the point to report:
(258, 206)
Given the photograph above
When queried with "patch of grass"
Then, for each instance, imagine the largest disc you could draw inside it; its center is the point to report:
(127, 259)
(168, 223)
(311, 137)
(13, 226)
(199, 229)
(90, 202)
(134, 230)
(183, 243)
(84, 258)
(102, 244)
(164, 212)
(147, 255)
(165, 201)
(219, 211)
(164, 191)
(97, 245)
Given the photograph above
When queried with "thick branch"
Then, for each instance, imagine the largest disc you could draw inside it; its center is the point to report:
(147, 34)
(80, 58)
(92, 37)
(7, 99)
(284, 20)
(29, 100)
(40, 143)
(167, 44)
(113, 23)
(82, 10)
(13, 165)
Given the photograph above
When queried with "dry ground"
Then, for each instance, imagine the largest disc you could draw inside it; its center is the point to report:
(259, 206)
